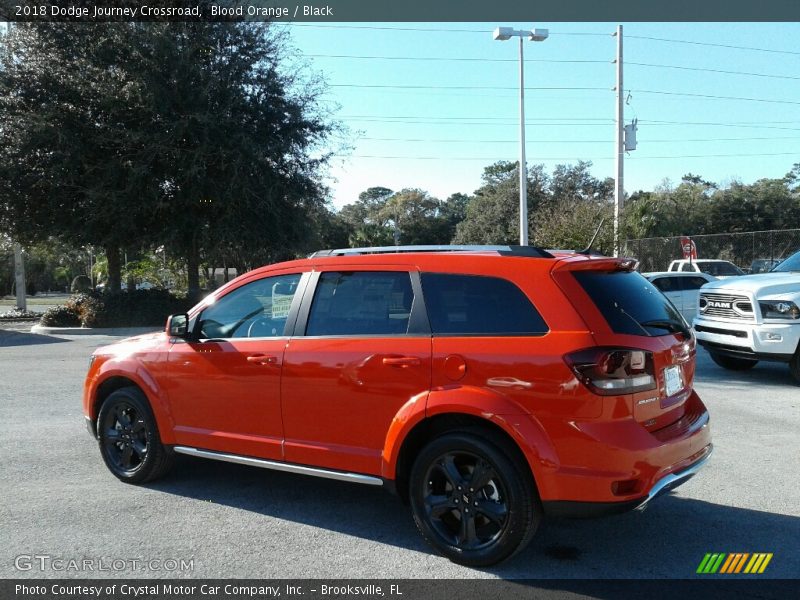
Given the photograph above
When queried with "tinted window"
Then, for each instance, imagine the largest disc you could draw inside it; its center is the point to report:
(720, 268)
(693, 283)
(667, 284)
(631, 304)
(361, 303)
(467, 304)
(688, 267)
(258, 309)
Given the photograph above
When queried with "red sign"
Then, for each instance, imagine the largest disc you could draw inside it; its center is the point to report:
(688, 248)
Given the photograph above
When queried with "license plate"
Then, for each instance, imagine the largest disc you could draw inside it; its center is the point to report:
(674, 379)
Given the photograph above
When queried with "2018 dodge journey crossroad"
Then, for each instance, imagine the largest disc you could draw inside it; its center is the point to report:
(487, 386)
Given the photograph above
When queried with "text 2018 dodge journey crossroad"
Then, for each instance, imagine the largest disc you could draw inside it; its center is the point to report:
(487, 386)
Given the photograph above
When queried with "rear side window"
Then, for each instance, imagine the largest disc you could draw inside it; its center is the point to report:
(361, 303)
(722, 268)
(631, 304)
(688, 267)
(476, 305)
(667, 284)
(694, 283)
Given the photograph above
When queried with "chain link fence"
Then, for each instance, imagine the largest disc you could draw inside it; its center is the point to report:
(655, 254)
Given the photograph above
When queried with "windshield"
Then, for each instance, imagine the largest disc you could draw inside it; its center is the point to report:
(631, 304)
(790, 264)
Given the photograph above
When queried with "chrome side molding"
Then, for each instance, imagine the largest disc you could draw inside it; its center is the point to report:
(280, 466)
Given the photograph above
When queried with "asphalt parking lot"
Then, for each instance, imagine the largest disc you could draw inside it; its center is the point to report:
(59, 500)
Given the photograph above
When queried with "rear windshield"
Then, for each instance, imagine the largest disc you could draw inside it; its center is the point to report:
(631, 304)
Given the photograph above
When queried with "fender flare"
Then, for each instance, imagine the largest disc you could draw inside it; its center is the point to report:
(522, 427)
(141, 377)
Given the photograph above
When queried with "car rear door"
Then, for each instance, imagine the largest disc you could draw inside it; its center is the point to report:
(361, 350)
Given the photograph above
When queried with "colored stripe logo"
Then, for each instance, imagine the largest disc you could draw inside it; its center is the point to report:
(737, 562)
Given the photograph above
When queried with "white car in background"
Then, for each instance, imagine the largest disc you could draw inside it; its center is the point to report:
(682, 289)
(711, 266)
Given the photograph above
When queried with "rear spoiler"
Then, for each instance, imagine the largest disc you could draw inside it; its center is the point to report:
(596, 263)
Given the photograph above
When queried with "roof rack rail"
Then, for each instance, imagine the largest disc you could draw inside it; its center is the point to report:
(531, 251)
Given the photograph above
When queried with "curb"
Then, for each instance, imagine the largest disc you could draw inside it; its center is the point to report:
(126, 331)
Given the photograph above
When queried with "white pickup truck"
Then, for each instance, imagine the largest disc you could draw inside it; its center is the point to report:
(743, 320)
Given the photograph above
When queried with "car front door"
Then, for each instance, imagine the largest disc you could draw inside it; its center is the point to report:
(361, 351)
(225, 385)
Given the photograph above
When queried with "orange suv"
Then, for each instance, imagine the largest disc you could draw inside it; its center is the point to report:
(487, 386)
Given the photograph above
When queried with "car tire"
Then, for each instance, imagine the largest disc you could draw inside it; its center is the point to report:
(794, 366)
(460, 473)
(128, 436)
(731, 363)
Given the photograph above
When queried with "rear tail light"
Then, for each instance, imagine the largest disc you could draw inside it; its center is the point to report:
(613, 371)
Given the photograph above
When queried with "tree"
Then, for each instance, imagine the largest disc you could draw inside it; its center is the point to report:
(187, 135)
(492, 215)
(416, 217)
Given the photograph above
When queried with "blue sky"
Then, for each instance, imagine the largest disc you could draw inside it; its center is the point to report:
(439, 138)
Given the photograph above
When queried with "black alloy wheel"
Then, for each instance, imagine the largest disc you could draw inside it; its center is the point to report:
(472, 502)
(128, 437)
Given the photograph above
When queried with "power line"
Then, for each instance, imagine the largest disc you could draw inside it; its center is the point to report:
(545, 60)
(713, 97)
(431, 30)
(730, 46)
(456, 59)
(554, 88)
(540, 141)
(535, 158)
(704, 70)
(460, 87)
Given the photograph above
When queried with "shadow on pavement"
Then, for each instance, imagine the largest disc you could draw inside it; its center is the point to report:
(668, 540)
(18, 338)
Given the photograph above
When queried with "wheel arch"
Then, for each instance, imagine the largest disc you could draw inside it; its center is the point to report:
(115, 381)
(434, 426)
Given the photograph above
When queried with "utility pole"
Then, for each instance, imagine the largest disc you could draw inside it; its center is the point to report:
(19, 277)
(619, 188)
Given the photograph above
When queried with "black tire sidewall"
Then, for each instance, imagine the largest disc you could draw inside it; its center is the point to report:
(134, 397)
(522, 499)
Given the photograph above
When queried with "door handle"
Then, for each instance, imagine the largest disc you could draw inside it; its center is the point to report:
(262, 359)
(400, 361)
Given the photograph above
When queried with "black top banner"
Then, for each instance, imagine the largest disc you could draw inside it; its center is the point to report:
(334, 11)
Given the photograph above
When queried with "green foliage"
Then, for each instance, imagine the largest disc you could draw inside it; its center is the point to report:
(136, 308)
(184, 134)
(81, 284)
(60, 316)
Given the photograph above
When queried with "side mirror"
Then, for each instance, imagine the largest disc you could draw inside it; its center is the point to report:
(178, 325)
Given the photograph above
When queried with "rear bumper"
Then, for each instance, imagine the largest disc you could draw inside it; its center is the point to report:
(615, 463)
(572, 509)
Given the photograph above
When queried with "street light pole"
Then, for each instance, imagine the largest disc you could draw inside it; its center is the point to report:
(619, 156)
(523, 165)
(534, 35)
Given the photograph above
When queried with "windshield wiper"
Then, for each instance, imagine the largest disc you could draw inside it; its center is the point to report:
(670, 326)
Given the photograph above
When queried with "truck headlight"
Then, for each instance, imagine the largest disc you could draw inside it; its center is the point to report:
(779, 309)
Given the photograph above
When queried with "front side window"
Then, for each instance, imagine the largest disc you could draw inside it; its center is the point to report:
(257, 309)
(694, 283)
(477, 305)
(361, 303)
(688, 267)
(667, 284)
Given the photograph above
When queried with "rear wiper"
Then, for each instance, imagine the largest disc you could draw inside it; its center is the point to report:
(670, 326)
